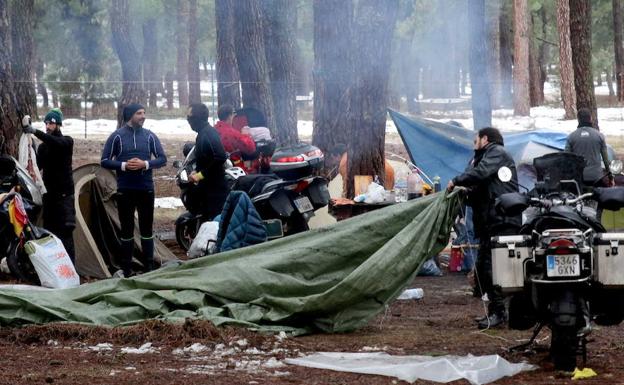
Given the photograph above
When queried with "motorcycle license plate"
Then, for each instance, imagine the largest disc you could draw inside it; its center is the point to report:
(563, 265)
(303, 204)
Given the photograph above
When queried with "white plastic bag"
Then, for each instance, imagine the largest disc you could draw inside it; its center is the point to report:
(28, 160)
(52, 263)
(375, 193)
(205, 241)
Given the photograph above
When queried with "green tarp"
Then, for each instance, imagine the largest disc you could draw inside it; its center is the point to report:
(332, 279)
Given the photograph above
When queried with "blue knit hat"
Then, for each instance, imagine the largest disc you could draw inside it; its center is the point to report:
(54, 116)
(130, 110)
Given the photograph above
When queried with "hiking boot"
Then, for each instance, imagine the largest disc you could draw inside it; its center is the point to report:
(481, 318)
(493, 320)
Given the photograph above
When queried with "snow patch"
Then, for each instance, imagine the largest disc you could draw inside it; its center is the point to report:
(101, 347)
(143, 349)
(168, 203)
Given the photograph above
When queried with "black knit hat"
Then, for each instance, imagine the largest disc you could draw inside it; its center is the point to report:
(130, 110)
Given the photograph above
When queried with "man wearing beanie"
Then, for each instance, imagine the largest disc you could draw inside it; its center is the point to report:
(54, 159)
(209, 174)
(133, 152)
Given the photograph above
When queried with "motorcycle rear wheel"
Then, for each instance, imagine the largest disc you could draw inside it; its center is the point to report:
(19, 264)
(564, 341)
(185, 233)
(295, 224)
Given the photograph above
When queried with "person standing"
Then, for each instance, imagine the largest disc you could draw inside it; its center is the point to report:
(483, 179)
(54, 159)
(133, 152)
(209, 175)
(588, 142)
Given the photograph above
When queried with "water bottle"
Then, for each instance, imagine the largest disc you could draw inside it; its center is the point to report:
(436, 184)
(414, 186)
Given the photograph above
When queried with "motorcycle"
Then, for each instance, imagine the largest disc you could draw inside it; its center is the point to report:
(285, 199)
(563, 270)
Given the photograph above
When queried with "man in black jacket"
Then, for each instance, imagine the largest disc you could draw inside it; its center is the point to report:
(482, 179)
(209, 173)
(54, 158)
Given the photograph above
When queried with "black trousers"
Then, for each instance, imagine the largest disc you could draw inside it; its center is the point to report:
(141, 201)
(59, 217)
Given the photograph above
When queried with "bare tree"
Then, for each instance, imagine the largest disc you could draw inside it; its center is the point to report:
(280, 18)
(566, 71)
(228, 90)
(479, 74)
(332, 41)
(8, 119)
(251, 59)
(618, 48)
(22, 50)
(521, 59)
(182, 52)
(132, 90)
(580, 41)
(374, 23)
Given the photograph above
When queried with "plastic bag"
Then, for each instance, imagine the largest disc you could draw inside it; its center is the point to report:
(52, 263)
(429, 269)
(205, 241)
(28, 159)
(375, 193)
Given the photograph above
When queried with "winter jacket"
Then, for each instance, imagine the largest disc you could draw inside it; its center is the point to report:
(483, 177)
(127, 143)
(591, 145)
(233, 140)
(54, 157)
(240, 224)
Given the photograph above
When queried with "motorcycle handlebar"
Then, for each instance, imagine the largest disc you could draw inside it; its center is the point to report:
(559, 202)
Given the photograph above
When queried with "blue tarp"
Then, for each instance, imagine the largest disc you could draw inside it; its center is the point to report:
(444, 150)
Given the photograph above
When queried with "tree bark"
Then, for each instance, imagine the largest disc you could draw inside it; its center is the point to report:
(150, 61)
(182, 52)
(521, 59)
(493, 14)
(609, 82)
(333, 21)
(23, 56)
(280, 18)
(132, 90)
(373, 24)
(543, 55)
(228, 86)
(8, 118)
(506, 62)
(251, 58)
(580, 41)
(566, 70)
(193, 59)
(618, 47)
(479, 74)
(535, 75)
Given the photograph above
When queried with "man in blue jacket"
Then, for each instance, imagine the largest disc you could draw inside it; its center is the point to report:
(133, 152)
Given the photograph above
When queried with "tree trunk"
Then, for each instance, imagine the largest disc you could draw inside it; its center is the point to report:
(618, 47)
(150, 61)
(521, 59)
(493, 14)
(332, 49)
(441, 63)
(543, 55)
(193, 59)
(535, 75)
(609, 82)
(580, 41)
(373, 24)
(506, 62)
(479, 74)
(251, 58)
(132, 91)
(8, 118)
(280, 19)
(566, 70)
(22, 64)
(41, 88)
(228, 86)
(182, 52)
(169, 89)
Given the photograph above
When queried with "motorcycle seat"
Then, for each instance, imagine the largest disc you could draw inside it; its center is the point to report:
(256, 184)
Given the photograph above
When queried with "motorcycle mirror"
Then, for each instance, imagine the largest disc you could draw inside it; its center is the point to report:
(616, 166)
(504, 174)
(177, 164)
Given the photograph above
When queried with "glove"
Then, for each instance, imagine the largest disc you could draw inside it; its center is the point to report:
(28, 130)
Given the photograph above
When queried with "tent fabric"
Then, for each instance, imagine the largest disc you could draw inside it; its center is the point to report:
(331, 279)
(97, 224)
(445, 150)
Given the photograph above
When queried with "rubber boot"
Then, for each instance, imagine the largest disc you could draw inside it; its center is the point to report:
(148, 253)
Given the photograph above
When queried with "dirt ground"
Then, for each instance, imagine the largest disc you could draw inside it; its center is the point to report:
(199, 353)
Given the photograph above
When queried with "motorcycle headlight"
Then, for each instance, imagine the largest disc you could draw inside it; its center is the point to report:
(184, 176)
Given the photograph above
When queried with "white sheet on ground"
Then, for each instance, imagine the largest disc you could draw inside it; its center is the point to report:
(477, 370)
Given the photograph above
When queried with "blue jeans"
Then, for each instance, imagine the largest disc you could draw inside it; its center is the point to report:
(470, 253)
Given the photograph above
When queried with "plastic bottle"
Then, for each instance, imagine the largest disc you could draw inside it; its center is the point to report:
(414, 186)
(436, 184)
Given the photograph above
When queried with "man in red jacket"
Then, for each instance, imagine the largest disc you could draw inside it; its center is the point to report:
(234, 142)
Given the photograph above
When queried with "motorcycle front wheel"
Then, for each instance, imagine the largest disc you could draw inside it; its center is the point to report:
(185, 233)
(20, 265)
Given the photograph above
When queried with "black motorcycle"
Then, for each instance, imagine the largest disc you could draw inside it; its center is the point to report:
(562, 270)
(285, 198)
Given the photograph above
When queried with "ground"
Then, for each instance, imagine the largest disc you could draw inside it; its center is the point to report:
(199, 353)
